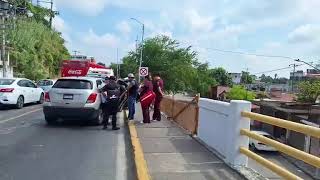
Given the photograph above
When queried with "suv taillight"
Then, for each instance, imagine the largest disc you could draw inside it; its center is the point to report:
(6, 90)
(46, 97)
(92, 98)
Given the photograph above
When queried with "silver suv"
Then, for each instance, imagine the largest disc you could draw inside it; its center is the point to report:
(74, 98)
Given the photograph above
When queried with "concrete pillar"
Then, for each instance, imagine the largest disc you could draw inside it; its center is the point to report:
(235, 140)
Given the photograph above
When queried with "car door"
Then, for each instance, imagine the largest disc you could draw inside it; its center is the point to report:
(33, 91)
(23, 85)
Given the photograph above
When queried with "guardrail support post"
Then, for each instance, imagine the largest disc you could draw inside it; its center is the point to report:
(236, 123)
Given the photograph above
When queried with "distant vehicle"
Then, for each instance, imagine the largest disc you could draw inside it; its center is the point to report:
(256, 145)
(19, 91)
(80, 66)
(45, 84)
(74, 98)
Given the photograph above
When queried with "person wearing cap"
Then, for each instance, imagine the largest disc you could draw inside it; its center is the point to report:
(112, 92)
(132, 95)
(158, 90)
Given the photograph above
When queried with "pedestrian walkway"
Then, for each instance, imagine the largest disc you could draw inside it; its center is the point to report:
(171, 154)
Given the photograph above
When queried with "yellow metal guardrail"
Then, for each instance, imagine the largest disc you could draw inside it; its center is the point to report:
(298, 154)
(304, 129)
(270, 165)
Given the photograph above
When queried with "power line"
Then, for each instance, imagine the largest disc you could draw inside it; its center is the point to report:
(251, 54)
(277, 69)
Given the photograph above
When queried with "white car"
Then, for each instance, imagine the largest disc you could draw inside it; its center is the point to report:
(19, 91)
(256, 145)
(74, 98)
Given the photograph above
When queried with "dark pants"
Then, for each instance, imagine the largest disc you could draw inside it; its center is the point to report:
(156, 112)
(131, 106)
(146, 113)
(111, 109)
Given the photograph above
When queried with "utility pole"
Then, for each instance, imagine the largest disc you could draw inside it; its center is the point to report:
(3, 47)
(293, 76)
(51, 13)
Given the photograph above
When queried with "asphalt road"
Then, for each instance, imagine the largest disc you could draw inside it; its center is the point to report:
(278, 159)
(31, 150)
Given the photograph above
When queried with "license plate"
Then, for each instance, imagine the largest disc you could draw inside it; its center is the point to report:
(68, 96)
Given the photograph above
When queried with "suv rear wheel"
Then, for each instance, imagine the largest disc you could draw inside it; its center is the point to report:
(100, 118)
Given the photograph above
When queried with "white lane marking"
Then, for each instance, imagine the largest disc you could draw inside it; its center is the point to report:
(121, 166)
(16, 117)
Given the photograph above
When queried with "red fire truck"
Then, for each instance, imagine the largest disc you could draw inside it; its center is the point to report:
(80, 65)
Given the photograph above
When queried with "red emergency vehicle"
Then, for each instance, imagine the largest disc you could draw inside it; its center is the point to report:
(80, 65)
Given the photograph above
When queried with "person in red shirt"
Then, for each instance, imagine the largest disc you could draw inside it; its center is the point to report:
(146, 98)
(158, 90)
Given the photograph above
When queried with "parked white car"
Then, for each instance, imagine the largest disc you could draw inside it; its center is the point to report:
(256, 145)
(74, 98)
(46, 84)
(19, 91)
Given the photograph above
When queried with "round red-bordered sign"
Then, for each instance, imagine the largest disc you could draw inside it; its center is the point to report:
(143, 71)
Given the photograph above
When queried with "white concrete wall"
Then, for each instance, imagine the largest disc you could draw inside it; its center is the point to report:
(219, 128)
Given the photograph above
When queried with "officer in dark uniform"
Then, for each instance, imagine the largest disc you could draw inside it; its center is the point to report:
(112, 93)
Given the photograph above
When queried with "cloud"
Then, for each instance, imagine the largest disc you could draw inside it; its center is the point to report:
(198, 22)
(305, 33)
(106, 40)
(124, 27)
(89, 8)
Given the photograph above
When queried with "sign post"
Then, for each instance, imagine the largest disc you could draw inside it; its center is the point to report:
(143, 71)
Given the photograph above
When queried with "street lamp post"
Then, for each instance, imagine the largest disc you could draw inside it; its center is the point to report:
(141, 52)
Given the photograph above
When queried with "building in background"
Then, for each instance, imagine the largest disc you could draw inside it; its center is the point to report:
(297, 76)
(236, 77)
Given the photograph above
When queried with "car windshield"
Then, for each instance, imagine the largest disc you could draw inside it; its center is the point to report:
(73, 84)
(6, 81)
(45, 83)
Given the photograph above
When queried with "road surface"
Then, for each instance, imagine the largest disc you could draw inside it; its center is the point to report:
(31, 150)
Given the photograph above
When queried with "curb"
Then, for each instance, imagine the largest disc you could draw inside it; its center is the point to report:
(142, 170)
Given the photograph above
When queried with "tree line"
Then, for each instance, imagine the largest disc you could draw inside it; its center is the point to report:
(36, 49)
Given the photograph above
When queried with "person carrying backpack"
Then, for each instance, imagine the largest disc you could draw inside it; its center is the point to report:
(132, 96)
(112, 93)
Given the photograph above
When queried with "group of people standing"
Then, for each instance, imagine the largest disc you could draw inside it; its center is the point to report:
(148, 92)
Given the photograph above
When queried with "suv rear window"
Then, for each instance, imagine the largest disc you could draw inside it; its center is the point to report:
(6, 81)
(73, 84)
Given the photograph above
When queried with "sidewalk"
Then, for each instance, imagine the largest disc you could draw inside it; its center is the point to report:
(171, 154)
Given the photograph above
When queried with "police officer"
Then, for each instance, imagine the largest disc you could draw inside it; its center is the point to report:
(112, 93)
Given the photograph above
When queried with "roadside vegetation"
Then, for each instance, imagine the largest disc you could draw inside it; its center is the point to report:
(36, 49)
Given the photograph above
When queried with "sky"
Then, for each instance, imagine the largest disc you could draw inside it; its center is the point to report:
(287, 28)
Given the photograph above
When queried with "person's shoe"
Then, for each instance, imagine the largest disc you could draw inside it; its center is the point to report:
(115, 128)
(105, 127)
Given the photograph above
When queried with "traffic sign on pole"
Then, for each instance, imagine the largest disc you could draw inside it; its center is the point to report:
(143, 71)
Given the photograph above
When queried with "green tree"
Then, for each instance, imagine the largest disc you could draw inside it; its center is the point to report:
(266, 79)
(246, 78)
(178, 66)
(221, 76)
(37, 50)
(309, 91)
(240, 93)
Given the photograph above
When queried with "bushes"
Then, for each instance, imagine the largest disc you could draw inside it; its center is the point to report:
(240, 93)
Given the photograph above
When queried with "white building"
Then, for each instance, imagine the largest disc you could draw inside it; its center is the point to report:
(236, 77)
